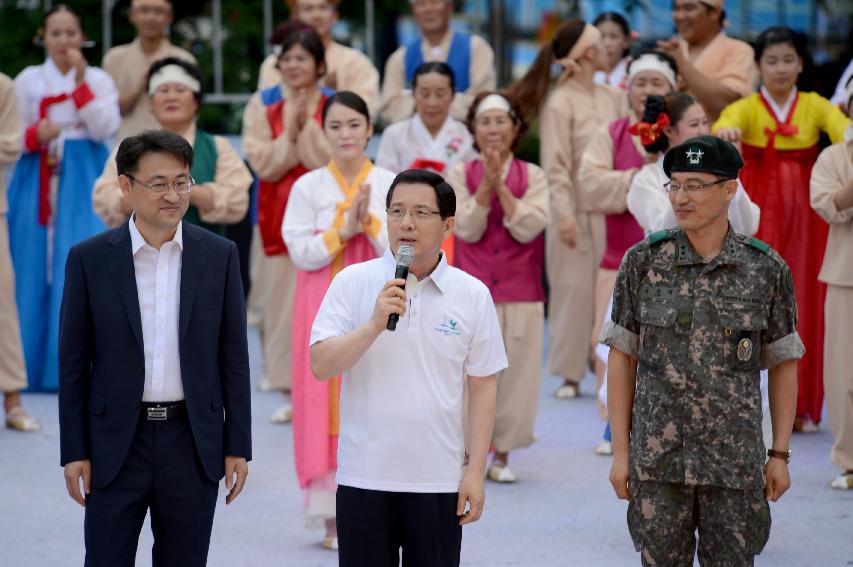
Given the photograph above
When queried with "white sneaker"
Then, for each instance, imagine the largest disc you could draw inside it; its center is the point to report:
(567, 391)
(500, 473)
(330, 543)
(843, 482)
(284, 414)
(605, 448)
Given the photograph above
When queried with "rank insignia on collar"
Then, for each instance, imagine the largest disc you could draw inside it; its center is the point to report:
(694, 156)
(744, 350)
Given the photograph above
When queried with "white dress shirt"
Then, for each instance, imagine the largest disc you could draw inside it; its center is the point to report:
(158, 285)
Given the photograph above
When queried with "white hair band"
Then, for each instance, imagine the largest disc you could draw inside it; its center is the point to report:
(651, 62)
(173, 74)
(493, 102)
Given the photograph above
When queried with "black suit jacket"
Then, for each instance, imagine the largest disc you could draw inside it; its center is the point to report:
(101, 360)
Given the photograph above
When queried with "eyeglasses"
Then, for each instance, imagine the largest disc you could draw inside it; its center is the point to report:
(673, 188)
(396, 214)
(180, 187)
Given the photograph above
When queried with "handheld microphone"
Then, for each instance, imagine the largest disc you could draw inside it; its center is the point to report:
(405, 254)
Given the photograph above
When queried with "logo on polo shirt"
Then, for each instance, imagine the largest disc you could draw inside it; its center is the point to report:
(449, 327)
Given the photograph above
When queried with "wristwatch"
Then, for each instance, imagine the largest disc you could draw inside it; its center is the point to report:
(784, 455)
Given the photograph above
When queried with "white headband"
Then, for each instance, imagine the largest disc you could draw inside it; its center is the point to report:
(493, 102)
(173, 74)
(650, 62)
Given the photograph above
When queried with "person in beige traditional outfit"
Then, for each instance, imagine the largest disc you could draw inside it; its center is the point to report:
(574, 240)
(174, 87)
(282, 139)
(13, 373)
(714, 68)
(347, 69)
(832, 199)
(612, 158)
(128, 64)
(470, 57)
(501, 214)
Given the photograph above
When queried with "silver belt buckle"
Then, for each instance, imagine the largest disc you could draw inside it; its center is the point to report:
(157, 414)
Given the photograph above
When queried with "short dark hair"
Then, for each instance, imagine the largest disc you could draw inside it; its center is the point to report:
(674, 105)
(294, 32)
(776, 35)
(444, 194)
(439, 67)
(62, 8)
(348, 99)
(190, 68)
(516, 115)
(133, 148)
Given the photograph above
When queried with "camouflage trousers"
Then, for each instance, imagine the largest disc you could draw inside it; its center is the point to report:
(663, 519)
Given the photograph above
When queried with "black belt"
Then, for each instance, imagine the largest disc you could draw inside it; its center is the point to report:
(163, 411)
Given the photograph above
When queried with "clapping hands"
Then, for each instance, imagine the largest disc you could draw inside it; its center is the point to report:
(358, 215)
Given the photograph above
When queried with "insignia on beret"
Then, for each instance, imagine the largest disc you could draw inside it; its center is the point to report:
(694, 157)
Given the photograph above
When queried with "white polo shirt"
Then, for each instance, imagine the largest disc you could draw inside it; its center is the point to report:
(401, 403)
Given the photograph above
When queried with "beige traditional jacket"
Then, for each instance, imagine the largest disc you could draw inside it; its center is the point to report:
(230, 187)
(397, 101)
(352, 70)
(10, 132)
(568, 121)
(128, 65)
(273, 158)
(832, 173)
(606, 188)
(728, 61)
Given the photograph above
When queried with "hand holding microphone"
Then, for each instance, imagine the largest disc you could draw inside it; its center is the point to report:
(392, 298)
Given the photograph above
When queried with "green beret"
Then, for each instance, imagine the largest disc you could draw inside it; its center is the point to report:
(707, 154)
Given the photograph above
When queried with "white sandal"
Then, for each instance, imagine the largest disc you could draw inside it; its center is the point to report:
(330, 543)
(568, 391)
(284, 414)
(499, 472)
(843, 481)
(18, 419)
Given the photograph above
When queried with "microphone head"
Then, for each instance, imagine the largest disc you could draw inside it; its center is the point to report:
(405, 255)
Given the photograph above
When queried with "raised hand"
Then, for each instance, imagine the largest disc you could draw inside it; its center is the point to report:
(392, 299)
(79, 63)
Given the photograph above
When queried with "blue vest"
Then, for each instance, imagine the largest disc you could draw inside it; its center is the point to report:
(458, 58)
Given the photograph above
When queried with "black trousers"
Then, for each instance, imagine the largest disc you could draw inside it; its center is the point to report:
(162, 473)
(373, 526)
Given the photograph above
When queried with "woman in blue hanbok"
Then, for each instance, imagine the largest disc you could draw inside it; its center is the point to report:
(68, 109)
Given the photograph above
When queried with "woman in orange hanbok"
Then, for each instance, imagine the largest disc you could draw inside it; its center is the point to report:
(778, 129)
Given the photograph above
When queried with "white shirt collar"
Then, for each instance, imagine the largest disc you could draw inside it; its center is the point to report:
(780, 111)
(438, 275)
(137, 241)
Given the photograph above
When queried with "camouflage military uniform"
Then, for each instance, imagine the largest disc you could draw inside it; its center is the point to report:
(701, 332)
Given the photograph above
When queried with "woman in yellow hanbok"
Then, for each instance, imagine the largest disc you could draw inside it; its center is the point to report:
(778, 129)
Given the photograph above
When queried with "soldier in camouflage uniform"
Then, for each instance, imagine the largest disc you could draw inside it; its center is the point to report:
(697, 312)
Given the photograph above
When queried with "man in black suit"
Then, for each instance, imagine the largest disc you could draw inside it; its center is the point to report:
(154, 399)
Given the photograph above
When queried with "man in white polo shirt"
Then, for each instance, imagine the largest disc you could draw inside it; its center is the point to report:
(401, 481)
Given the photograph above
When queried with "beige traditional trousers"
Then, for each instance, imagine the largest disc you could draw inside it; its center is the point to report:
(270, 307)
(837, 374)
(522, 327)
(13, 374)
(571, 301)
